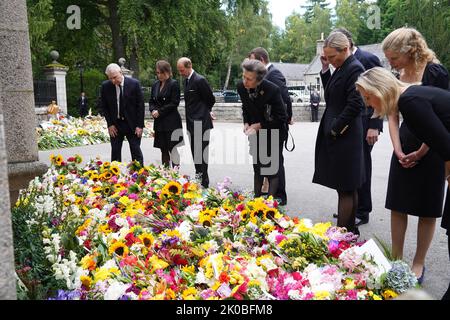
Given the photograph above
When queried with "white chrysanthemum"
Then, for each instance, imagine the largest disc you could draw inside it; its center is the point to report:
(185, 229)
(116, 290)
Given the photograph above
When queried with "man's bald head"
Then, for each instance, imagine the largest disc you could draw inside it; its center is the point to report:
(184, 66)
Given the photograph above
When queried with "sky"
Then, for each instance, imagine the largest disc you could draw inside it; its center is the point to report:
(281, 9)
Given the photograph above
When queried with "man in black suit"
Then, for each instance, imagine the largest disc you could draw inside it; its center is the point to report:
(275, 76)
(199, 101)
(314, 101)
(83, 105)
(122, 103)
(371, 129)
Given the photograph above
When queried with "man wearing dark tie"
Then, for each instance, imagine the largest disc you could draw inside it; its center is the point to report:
(275, 76)
(83, 105)
(199, 101)
(122, 103)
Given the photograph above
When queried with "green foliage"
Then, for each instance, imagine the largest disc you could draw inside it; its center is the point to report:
(215, 34)
(92, 79)
(32, 267)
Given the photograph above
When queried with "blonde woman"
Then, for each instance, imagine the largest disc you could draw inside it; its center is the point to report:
(416, 177)
(426, 111)
(339, 158)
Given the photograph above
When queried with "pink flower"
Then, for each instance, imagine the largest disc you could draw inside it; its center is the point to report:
(279, 238)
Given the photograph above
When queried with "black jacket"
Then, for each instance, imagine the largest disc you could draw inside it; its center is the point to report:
(274, 75)
(256, 110)
(369, 61)
(339, 161)
(199, 102)
(166, 103)
(133, 103)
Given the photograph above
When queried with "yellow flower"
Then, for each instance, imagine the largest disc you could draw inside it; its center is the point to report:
(321, 295)
(270, 213)
(61, 177)
(88, 262)
(125, 201)
(189, 294)
(189, 269)
(147, 239)
(172, 188)
(115, 170)
(103, 273)
(119, 248)
(157, 263)
(320, 229)
(349, 284)
(389, 294)
(86, 281)
(170, 295)
(104, 228)
(59, 159)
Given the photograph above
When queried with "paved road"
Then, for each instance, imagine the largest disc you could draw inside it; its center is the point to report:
(229, 157)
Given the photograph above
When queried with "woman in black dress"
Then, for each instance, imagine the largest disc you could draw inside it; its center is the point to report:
(426, 111)
(416, 177)
(265, 118)
(164, 101)
(339, 158)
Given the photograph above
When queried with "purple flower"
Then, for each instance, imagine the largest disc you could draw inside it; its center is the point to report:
(67, 295)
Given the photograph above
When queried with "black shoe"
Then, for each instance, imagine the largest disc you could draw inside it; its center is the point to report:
(422, 277)
(359, 221)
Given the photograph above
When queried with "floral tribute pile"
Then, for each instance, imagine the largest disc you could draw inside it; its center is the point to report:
(121, 231)
(72, 132)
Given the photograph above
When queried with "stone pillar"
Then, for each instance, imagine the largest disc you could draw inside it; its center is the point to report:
(126, 72)
(17, 97)
(7, 279)
(57, 71)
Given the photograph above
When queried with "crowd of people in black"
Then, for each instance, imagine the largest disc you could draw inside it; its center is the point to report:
(358, 93)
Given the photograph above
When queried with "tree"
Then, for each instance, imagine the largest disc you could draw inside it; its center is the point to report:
(250, 26)
(309, 14)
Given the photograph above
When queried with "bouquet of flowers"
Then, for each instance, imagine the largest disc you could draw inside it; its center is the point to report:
(71, 132)
(122, 231)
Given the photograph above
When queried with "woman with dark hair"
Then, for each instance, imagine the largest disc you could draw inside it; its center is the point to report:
(265, 121)
(163, 104)
(426, 111)
(339, 157)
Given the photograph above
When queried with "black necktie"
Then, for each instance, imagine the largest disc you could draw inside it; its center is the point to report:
(121, 108)
(187, 82)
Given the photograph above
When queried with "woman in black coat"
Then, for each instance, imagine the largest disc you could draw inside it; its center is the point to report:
(339, 158)
(426, 111)
(265, 122)
(163, 104)
(415, 188)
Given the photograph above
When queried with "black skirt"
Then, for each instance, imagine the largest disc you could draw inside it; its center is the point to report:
(163, 140)
(417, 191)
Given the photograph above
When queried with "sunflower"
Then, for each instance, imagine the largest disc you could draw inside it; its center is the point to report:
(114, 170)
(205, 220)
(270, 213)
(119, 248)
(172, 187)
(147, 239)
(58, 160)
(107, 175)
(245, 214)
(86, 281)
(61, 177)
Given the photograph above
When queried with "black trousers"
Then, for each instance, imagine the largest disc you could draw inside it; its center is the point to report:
(200, 154)
(268, 163)
(365, 193)
(124, 130)
(314, 113)
(83, 112)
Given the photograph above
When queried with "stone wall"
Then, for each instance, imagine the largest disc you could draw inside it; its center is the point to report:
(232, 112)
